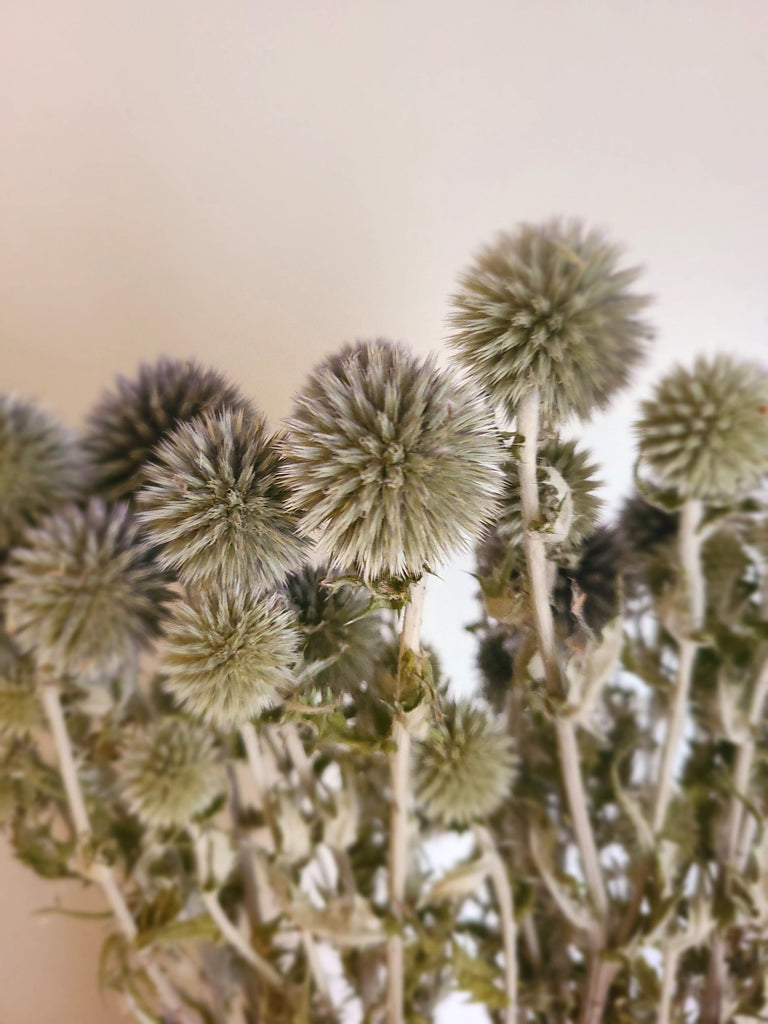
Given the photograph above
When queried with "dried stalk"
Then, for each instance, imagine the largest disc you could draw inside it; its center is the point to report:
(398, 837)
(103, 874)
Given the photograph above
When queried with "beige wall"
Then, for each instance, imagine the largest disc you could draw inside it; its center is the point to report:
(252, 183)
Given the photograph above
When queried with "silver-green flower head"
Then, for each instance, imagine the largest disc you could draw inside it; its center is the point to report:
(549, 307)
(566, 474)
(41, 467)
(129, 423)
(337, 627)
(169, 773)
(391, 461)
(704, 433)
(215, 503)
(464, 769)
(84, 595)
(20, 712)
(228, 656)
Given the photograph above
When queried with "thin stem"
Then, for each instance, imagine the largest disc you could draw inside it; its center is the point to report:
(398, 835)
(743, 770)
(231, 933)
(570, 767)
(690, 558)
(260, 776)
(102, 874)
(668, 984)
(504, 901)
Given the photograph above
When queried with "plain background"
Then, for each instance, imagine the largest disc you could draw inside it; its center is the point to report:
(253, 184)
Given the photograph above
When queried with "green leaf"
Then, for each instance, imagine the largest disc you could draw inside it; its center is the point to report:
(199, 927)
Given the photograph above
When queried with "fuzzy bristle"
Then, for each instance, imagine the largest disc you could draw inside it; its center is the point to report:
(216, 506)
(704, 433)
(391, 462)
(228, 655)
(130, 422)
(549, 307)
(84, 595)
(464, 768)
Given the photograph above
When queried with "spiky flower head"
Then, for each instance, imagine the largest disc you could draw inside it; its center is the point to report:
(704, 433)
(130, 422)
(228, 655)
(390, 460)
(169, 772)
(495, 660)
(20, 713)
(589, 591)
(337, 626)
(40, 467)
(548, 307)
(464, 768)
(559, 463)
(84, 595)
(216, 505)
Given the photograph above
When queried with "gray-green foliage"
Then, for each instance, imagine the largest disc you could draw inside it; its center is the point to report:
(390, 461)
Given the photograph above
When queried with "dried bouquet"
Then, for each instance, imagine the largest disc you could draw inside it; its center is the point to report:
(216, 706)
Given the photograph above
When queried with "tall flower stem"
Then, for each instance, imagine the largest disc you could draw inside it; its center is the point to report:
(734, 860)
(528, 426)
(504, 901)
(689, 541)
(570, 766)
(398, 834)
(103, 874)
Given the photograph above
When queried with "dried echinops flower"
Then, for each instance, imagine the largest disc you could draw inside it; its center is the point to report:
(129, 423)
(41, 467)
(704, 433)
(575, 469)
(228, 655)
(391, 461)
(84, 595)
(169, 772)
(548, 307)
(464, 768)
(337, 626)
(216, 506)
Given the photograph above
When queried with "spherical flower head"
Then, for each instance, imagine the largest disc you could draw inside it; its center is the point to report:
(337, 626)
(464, 769)
(84, 595)
(215, 503)
(129, 423)
(573, 466)
(41, 467)
(228, 656)
(495, 660)
(589, 590)
(169, 773)
(704, 433)
(391, 461)
(20, 712)
(548, 307)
